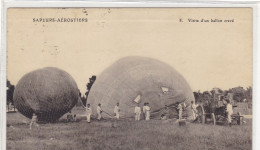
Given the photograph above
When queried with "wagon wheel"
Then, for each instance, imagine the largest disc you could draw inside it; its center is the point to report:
(201, 114)
(223, 120)
(226, 122)
(226, 119)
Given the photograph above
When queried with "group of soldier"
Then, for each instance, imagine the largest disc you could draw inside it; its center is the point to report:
(137, 111)
(146, 112)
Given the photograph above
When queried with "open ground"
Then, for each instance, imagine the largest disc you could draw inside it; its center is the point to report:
(128, 135)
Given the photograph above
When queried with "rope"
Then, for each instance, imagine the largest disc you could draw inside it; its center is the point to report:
(108, 114)
(162, 109)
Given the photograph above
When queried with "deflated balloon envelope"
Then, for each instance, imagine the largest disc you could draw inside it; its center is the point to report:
(48, 92)
(133, 80)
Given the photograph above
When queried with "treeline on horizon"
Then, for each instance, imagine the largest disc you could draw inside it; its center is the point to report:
(239, 94)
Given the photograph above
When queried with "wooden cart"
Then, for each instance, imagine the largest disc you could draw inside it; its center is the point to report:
(217, 116)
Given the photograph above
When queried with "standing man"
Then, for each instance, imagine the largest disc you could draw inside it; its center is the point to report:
(229, 111)
(88, 112)
(137, 112)
(179, 108)
(194, 110)
(147, 110)
(34, 121)
(99, 111)
(116, 111)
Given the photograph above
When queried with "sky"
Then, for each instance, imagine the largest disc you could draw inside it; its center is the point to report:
(207, 54)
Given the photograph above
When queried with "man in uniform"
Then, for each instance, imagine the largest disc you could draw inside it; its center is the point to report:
(147, 110)
(194, 110)
(34, 121)
(116, 111)
(88, 113)
(179, 108)
(137, 112)
(229, 111)
(99, 111)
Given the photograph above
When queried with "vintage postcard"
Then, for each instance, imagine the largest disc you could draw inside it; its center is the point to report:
(129, 78)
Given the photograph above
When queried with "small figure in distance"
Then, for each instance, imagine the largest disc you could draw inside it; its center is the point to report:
(179, 108)
(99, 112)
(137, 112)
(34, 121)
(116, 116)
(116, 111)
(229, 111)
(194, 110)
(88, 113)
(69, 117)
(147, 109)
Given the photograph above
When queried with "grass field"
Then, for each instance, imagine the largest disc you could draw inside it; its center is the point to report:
(129, 135)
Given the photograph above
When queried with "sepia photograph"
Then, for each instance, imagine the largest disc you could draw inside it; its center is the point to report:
(129, 78)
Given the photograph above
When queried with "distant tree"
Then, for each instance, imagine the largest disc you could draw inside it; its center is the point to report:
(238, 93)
(239, 97)
(216, 91)
(196, 96)
(203, 97)
(248, 93)
(89, 85)
(9, 92)
(249, 96)
(84, 100)
(207, 96)
(225, 92)
(212, 92)
(79, 103)
(206, 93)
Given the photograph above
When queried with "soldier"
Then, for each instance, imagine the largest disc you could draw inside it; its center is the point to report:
(179, 108)
(99, 111)
(194, 110)
(88, 112)
(116, 111)
(137, 112)
(34, 121)
(147, 110)
(229, 111)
